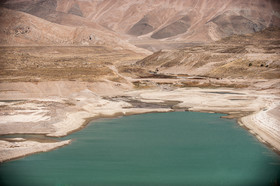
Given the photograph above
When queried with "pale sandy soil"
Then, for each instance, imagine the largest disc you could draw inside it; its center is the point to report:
(265, 124)
(59, 108)
(12, 150)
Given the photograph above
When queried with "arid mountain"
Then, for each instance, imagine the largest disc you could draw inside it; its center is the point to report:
(254, 56)
(19, 29)
(154, 20)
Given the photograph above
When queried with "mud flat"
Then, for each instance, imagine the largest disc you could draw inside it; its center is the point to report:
(59, 108)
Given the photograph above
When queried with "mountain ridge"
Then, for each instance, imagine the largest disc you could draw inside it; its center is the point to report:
(160, 20)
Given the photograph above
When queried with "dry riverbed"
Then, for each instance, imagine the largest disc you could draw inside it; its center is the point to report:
(58, 108)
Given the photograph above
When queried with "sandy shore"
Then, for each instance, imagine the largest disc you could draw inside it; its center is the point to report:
(12, 150)
(265, 124)
(59, 108)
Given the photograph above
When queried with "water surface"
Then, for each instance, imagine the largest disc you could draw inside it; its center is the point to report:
(179, 148)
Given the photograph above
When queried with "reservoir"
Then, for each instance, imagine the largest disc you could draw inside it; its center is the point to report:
(177, 148)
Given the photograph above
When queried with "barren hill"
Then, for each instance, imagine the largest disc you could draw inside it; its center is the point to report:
(251, 57)
(147, 21)
(20, 29)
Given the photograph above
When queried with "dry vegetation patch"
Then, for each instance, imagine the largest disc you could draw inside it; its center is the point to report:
(61, 63)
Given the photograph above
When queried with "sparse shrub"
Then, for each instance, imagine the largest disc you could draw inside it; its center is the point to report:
(262, 65)
(250, 64)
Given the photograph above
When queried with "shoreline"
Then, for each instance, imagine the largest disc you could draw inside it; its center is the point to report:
(69, 114)
(258, 137)
(32, 147)
(239, 122)
(267, 137)
(92, 119)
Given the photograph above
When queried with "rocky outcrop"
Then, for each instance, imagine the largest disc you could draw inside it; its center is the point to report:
(75, 9)
(178, 27)
(230, 23)
(142, 27)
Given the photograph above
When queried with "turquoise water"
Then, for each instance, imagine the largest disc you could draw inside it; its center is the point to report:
(179, 148)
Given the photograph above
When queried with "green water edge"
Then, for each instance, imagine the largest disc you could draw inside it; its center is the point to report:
(176, 148)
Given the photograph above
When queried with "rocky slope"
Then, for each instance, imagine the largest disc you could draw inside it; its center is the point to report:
(22, 29)
(177, 20)
(249, 56)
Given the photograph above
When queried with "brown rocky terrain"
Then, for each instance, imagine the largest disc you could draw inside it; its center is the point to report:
(22, 29)
(51, 63)
(251, 57)
(142, 21)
